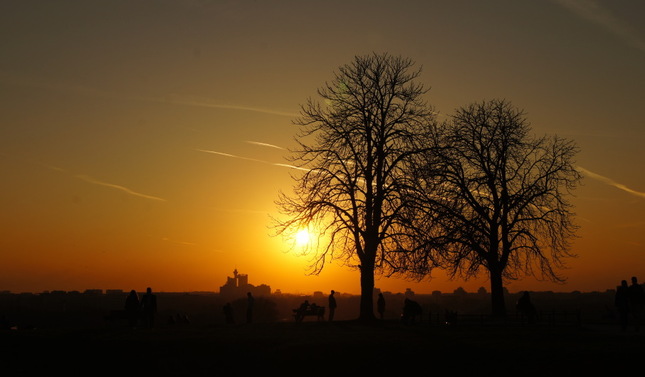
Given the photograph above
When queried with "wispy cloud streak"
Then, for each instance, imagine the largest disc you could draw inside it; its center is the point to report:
(610, 182)
(593, 11)
(291, 166)
(13, 78)
(252, 159)
(233, 156)
(118, 187)
(264, 144)
(204, 102)
(92, 180)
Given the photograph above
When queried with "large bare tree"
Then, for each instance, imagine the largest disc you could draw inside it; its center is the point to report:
(503, 197)
(353, 147)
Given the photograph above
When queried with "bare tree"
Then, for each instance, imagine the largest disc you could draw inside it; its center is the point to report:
(353, 150)
(502, 194)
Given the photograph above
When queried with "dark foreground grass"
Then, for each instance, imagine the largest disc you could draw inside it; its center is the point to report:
(323, 348)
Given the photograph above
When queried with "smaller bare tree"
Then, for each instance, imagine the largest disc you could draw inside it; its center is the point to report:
(502, 195)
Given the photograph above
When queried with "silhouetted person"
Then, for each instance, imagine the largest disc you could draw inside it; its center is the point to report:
(380, 305)
(622, 304)
(411, 309)
(636, 302)
(132, 306)
(228, 313)
(149, 307)
(249, 307)
(302, 309)
(332, 305)
(525, 307)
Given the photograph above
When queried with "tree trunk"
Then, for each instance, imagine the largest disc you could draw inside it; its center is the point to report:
(367, 294)
(497, 294)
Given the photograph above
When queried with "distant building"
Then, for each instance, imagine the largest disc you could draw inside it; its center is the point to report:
(238, 285)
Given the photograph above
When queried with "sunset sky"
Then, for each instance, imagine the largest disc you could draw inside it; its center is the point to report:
(143, 143)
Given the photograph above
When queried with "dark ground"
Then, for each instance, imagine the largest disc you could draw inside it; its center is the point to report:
(323, 348)
(67, 334)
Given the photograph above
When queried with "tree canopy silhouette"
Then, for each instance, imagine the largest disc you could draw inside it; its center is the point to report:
(353, 152)
(502, 195)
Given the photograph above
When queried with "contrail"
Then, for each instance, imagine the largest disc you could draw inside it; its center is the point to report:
(62, 86)
(291, 166)
(89, 179)
(610, 182)
(264, 144)
(121, 188)
(233, 156)
(203, 102)
(252, 159)
(593, 11)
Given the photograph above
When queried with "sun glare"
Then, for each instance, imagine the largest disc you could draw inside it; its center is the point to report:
(303, 237)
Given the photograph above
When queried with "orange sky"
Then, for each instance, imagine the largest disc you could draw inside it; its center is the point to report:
(141, 142)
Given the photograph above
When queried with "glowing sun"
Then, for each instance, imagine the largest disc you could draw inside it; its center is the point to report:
(303, 237)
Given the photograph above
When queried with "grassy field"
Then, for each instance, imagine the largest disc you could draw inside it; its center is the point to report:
(323, 348)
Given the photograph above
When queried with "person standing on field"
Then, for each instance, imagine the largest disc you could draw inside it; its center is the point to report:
(380, 305)
(332, 305)
(149, 307)
(132, 307)
(250, 301)
(621, 301)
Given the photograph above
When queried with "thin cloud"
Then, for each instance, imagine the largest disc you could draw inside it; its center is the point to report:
(205, 102)
(89, 179)
(233, 156)
(291, 166)
(252, 159)
(610, 182)
(118, 187)
(264, 144)
(593, 11)
(17, 79)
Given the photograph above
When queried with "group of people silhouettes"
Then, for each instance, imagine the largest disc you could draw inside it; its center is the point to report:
(144, 309)
(630, 301)
(412, 312)
(332, 305)
(307, 308)
(227, 309)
